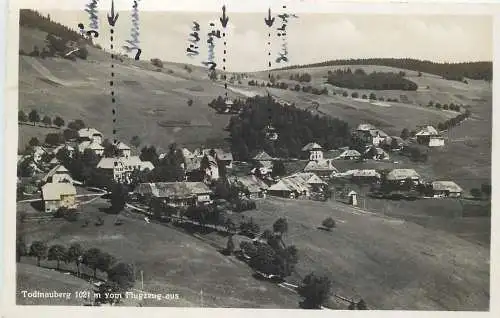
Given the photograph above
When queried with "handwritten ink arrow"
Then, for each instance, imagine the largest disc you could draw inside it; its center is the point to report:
(112, 17)
(269, 21)
(224, 19)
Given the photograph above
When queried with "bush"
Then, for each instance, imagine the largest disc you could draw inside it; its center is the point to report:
(329, 223)
(355, 95)
(157, 62)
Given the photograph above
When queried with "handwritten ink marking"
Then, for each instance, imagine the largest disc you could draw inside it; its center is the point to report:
(211, 47)
(192, 50)
(112, 18)
(134, 32)
(283, 55)
(91, 9)
(224, 20)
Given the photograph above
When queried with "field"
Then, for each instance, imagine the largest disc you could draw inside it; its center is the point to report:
(172, 261)
(390, 263)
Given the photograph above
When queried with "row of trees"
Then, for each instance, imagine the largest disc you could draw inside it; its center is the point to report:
(451, 106)
(452, 122)
(295, 127)
(120, 276)
(474, 70)
(375, 80)
(301, 77)
(34, 117)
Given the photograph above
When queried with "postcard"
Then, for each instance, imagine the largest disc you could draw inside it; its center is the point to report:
(293, 155)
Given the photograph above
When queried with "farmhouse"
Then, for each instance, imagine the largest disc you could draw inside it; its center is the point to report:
(203, 168)
(264, 159)
(376, 137)
(175, 194)
(123, 150)
(400, 176)
(322, 168)
(395, 142)
(90, 134)
(314, 151)
(120, 169)
(429, 136)
(366, 176)
(57, 195)
(58, 174)
(251, 185)
(220, 155)
(299, 185)
(446, 189)
(92, 145)
(350, 154)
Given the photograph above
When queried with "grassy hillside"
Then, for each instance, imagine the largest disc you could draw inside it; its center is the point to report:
(452, 71)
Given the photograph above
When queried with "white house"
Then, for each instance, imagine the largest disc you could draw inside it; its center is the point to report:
(92, 145)
(377, 136)
(58, 195)
(314, 150)
(428, 135)
(123, 149)
(90, 134)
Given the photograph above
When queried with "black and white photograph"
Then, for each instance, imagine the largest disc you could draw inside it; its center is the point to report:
(270, 159)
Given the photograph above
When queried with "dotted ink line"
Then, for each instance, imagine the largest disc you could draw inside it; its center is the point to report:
(111, 84)
(224, 61)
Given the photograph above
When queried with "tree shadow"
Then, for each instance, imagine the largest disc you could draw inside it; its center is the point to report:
(37, 205)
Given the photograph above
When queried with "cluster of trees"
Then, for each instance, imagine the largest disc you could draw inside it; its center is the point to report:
(120, 276)
(375, 80)
(451, 106)
(474, 70)
(34, 117)
(295, 127)
(296, 87)
(301, 77)
(219, 104)
(452, 122)
(34, 19)
(57, 39)
(273, 257)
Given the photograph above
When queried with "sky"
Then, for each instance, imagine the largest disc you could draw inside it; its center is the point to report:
(312, 37)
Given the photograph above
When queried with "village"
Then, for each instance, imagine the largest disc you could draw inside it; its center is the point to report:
(58, 187)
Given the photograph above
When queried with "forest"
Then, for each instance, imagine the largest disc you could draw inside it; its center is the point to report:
(295, 129)
(454, 71)
(33, 19)
(375, 80)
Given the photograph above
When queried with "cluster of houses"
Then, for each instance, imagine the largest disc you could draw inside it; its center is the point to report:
(57, 185)
(58, 188)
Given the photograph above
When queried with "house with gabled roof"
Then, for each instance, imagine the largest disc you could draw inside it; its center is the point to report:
(92, 145)
(123, 149)
(58, 195)
(264, 159)
(220, 155)
(349, 154)
(58, 174)
(322, 168)
(429, 136)
(254, 187)
(175, 194)
(446, 189)
(314, 151)
(399, 176)
(298, 185)
(90, 134)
